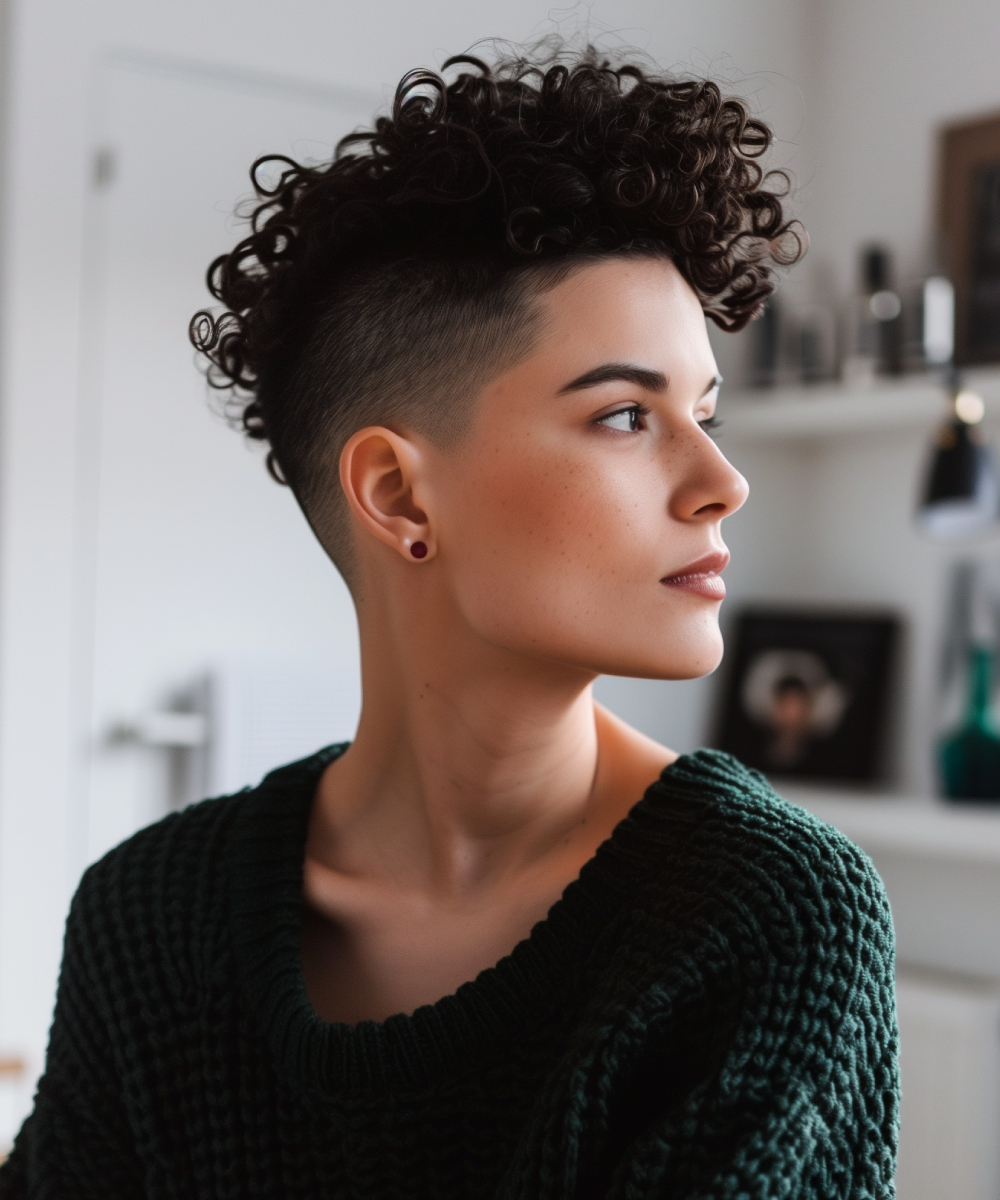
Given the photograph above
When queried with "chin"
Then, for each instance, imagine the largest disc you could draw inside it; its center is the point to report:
(666, 667)
(684, 654)
(685, 650)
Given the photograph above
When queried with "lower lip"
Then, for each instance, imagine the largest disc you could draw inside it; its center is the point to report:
(708, 585)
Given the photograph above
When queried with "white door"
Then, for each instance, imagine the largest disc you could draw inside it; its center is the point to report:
(188, 551)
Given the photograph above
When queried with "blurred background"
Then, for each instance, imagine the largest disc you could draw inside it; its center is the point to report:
(169, 629)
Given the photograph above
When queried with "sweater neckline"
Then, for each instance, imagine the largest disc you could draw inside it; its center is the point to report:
(503, 1005)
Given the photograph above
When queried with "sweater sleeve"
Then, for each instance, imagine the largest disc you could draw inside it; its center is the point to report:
(803, 1101)
(77, 1143)
(819, 1135)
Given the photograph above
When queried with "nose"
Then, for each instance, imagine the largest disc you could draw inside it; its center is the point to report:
(709, 487)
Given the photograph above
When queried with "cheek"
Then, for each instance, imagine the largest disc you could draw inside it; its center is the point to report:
(541, 537)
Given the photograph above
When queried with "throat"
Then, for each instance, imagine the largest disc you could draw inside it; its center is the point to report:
(436, 843)
(453, 806)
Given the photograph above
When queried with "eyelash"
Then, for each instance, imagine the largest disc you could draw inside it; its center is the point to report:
(639, 410)
(710, 424)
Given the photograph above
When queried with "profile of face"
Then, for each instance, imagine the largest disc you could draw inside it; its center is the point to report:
(578, 520)
(791, 720)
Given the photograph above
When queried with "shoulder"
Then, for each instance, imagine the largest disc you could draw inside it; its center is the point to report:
(169, 885)
(157, 887)
(167, 854)
(790, 874)
(737, 806)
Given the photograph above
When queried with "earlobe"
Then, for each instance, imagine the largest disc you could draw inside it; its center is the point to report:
(380, 472)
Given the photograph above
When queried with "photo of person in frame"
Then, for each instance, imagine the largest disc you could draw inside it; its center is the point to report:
(807, 693)
(792, 693)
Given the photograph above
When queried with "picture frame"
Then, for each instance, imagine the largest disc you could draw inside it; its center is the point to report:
(807, 693)
(969, 232)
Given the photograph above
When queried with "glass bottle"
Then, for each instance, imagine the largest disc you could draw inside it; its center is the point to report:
(875, 326)
(970, 757)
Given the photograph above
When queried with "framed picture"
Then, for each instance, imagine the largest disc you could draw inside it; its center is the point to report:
(969, 219)
(806, 694)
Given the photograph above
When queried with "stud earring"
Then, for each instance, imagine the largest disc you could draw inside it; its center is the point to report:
(419, 550)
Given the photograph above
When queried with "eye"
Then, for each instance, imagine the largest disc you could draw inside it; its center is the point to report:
(710, 425)
(628, 420)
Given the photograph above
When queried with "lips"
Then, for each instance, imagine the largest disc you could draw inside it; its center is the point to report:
(702, 577)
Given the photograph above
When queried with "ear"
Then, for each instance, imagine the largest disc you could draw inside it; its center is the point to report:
(380, 474)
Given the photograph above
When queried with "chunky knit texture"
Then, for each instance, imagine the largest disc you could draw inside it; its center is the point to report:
(707, 1012)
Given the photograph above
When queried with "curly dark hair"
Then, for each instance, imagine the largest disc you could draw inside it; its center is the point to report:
(392, 283)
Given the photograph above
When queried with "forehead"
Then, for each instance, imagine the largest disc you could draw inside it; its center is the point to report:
(639, 310)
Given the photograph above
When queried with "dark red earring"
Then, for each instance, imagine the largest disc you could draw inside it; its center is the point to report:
(419, 549)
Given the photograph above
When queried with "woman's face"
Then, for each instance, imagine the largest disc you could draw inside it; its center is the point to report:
(579, 520)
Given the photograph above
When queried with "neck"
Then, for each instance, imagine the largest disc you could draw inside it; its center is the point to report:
(470, 762)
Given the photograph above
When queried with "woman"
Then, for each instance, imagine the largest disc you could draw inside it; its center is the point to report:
(502, 945)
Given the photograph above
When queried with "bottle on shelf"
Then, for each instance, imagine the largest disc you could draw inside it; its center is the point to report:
(970, 756)
(875, 325)
(938, 321)
(791, 344)
(928, 322)
(969, 752)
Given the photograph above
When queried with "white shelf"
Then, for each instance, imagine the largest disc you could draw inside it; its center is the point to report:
(922, 827)
(831, 410)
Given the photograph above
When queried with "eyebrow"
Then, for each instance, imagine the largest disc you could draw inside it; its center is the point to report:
(648, 380)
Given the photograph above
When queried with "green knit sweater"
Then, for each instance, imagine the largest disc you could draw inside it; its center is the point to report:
(707, 1012)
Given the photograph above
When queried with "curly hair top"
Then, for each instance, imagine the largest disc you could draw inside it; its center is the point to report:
(394, 281)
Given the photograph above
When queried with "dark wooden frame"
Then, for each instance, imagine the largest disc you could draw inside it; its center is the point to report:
(966, 148)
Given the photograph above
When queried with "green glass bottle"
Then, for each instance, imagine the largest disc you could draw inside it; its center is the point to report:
(970, 757)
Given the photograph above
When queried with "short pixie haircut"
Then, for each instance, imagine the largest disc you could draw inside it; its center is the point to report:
(388, 286)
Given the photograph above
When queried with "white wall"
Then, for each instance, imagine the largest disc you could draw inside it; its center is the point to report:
(47, 566)
(888, 74)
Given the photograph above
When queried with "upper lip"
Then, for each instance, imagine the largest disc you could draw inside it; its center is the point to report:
(709, 564)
